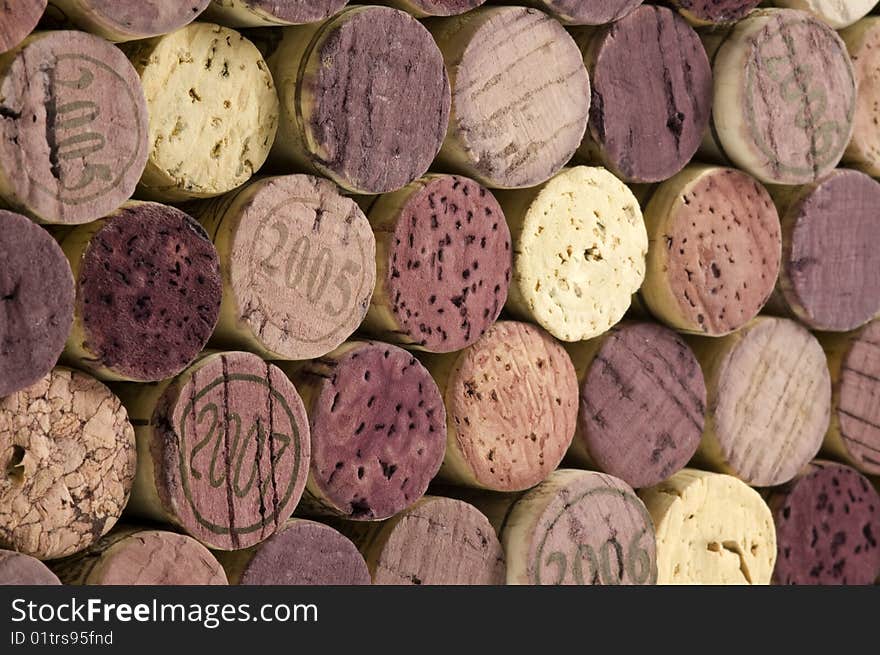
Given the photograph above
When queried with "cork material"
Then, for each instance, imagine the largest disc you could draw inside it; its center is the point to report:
(714, 12)
(863, 43)
(213, 111)
(260, 13)
(837, 13)
(68, 453)
(425, 8)
(578, 12)
(126, 20)
(18, 569)
(17, 20)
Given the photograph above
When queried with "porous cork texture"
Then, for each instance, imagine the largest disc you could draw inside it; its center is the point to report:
(578, 12)
(837, 13)
(444, 264)
(863, 43)
(68, 452)
(18, 569)
(260, 13)
(711, 529)
(714, 252)
(520, 95)
(426, 8)
(714, 12)
(213, 111)
(126, 20)
(19, 18)
(769, 397)
(827, 526)
(579, 247)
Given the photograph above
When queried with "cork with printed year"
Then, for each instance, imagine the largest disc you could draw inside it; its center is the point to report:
(863, 43)
(19, 569)
(426, 8)
(837, 13)
(223, 449)
(261, 13)
(711, 529)
(68, 454)
(18, 20)
(520, 95)
(364, 99)
(125, 20)
(714, 253)
(647, 129)
(213, 111)
(704, 13)
(795, 130)
(578, 12)
(298, 265)
(73, 147)
(769, 397)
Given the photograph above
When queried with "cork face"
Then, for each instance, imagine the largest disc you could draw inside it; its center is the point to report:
(18, 569)
(449, 264)
(74, 146)
(438, 7)
(642, 404)
(68, 453)
(36, 310)
(18, 20)
(863, 43)
(143, 18)
(830, 272)
(378, 422)
(857, 412)
(512, 401)
(581, 253)
(826, 524)
(715, 11)
(292, 12)
(148, 292)
(578, 12)
(648, 129)
(834, 12)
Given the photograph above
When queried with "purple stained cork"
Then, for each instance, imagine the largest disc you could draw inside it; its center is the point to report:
(827, 527)
(125, 20)
(258, 13)
(581, 12)
(36, 302)
(17, 20)
(705, 12)
(425, 8)
(19, 569)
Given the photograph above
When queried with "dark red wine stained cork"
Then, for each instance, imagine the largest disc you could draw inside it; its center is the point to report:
(148, 293)
(72, 147)
(17, 19)
(18, 569)
(36, 302)
(647, 129)
(581, 12)
(827, 527)
(300, 553)
(425, 8)
(378, 430)
(643, 400)
(714, 12)
(259, 13)
(830, 276)
(445, 264)
(126, 20)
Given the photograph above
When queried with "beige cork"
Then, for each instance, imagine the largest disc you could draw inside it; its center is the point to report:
(863, 43)
(68, 452)
(125, 20)
(837, 13)
(263, 13)
(18, 20)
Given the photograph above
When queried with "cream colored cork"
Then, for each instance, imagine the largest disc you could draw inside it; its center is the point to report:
(68, 452)
(837, 13)
(711, 529)
(579, 245)
(126, 20)
(213, 111)
(863, 43)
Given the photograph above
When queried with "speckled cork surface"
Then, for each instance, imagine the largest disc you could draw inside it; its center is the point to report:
(19, 18)
(126, 20)
(260, 13)
(18, 569)
(863, 43)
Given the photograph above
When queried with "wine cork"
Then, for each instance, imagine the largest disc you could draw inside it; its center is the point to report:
(437, 541)
(711, 529)
(18, 21)
(376, 420)
(68, 452)
(223, 450)
(364, 99)
(863, 43)
(511, 402)
(36, 302)
(784, 97)
(444, 264)
(298, 262)
(647, 129)
(259, 13)
(836, 13)
(577, 12)
(520, 95)
(148, 293)
(18, 569)
(127, 20)
(213, 111)
(830, 274)
(425, 8)
(769, 396)
(300, 553)
(642, 403)
(136, 556)
(73, 146)
(579, 245)
(714, 250)
(827, 527)
(714, 12)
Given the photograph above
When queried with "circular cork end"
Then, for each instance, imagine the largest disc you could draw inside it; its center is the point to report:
(711, 529)
(73, 147)
(648, 129)
(784, 97)
(256, 13)
(827, 525)
(642, 408)
(863, 42)
(449, 263)
(715, 250)
(830, 274)
(578, 12)
(521, 95)
(18, 569)
(18, 21)
(301, 265)
(834, 12)
(137, 19)
(857, 412)
(230, 450)
(379, 430)
(68, 456)
(306, 553)
(148, 292)
(425, 8)
(36, 302)
(512, 400)
(213, 111)
(439, 541)
(702, 12)
(581, 254)
(770, 402)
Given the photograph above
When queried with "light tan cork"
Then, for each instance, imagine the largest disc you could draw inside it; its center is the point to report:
(837, 13)
(863, 43)
(262, 13)
(126, 20)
